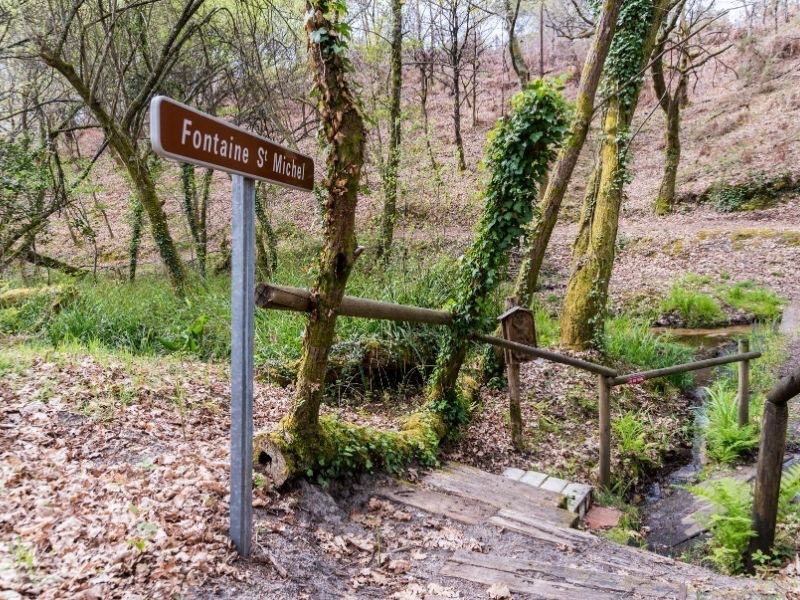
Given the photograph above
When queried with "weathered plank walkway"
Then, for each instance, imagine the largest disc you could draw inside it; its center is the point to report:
(594, 568)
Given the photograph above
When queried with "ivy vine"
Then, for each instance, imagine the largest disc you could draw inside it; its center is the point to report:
(518, 151)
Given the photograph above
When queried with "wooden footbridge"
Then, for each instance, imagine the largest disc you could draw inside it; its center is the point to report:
(579, 565)
(604, 570)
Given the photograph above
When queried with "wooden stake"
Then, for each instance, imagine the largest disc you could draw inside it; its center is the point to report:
(514, 408)
(770, 463)
(768, 477)
(744, 385)
(604, 391)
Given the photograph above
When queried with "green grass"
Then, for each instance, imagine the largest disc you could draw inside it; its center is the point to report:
(695, 308)
(632, 342)
(547, 327)
(145, 317)
(760, 302)
(702, 302)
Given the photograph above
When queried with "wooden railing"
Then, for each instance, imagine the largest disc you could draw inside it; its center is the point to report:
(297, 299)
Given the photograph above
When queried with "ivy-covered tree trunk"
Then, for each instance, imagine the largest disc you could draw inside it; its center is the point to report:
(195, 209)
(137, 224)
(343, 134)
(583, 312)
(520, 148)
(266, 241)
(538, 234)
(393, 160)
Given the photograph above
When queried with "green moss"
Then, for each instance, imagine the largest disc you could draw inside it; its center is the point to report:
(757, 191)
(343, 448)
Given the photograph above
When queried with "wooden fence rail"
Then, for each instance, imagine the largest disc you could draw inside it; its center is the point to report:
(686, 367)
(297, 299)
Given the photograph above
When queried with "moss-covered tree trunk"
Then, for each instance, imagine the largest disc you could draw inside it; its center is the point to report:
(583, 312)
(135, 163)
(343, 133)
(393, 160)
(672, 159)
(455, 64)
(538, 235)
(671, 103)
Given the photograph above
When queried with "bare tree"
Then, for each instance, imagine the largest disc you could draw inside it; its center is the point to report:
(455, 23)
(114, 56)
(511, 10)
(683, 47)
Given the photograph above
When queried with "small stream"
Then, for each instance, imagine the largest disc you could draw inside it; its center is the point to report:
(667, 505)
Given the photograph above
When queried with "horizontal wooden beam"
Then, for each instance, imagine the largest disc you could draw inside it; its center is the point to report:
(546, 354)
(684, 368)
(289, 298)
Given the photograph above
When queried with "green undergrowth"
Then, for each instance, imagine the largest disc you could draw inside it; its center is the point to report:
(694, 308)
(699, 301)
(628, 529)
(730, 525)
(640, 446)
(758, 190)
(726, 442)
(630, 341)
(145, 317)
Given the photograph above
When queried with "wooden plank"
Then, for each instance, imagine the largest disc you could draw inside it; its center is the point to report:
(625, 557)
(437, 503)
(519, 575)
(471, 474)
(538, 529)
(500, 492)
(537, 587)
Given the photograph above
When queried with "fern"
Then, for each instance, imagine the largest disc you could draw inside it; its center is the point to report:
(790, 488)
(725, 440)
(730, 526)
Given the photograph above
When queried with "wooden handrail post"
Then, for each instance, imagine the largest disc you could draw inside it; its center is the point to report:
(770, 463)
(768, 477)
(604, 407)
(744, 385)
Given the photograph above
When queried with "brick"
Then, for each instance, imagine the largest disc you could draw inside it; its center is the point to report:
(533, 478)
(513, 473)
(554, 484)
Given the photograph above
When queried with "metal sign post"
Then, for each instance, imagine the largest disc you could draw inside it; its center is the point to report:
(243, 287)
(182, 133)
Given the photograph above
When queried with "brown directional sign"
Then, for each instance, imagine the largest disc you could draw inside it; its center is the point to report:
(187, 135)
